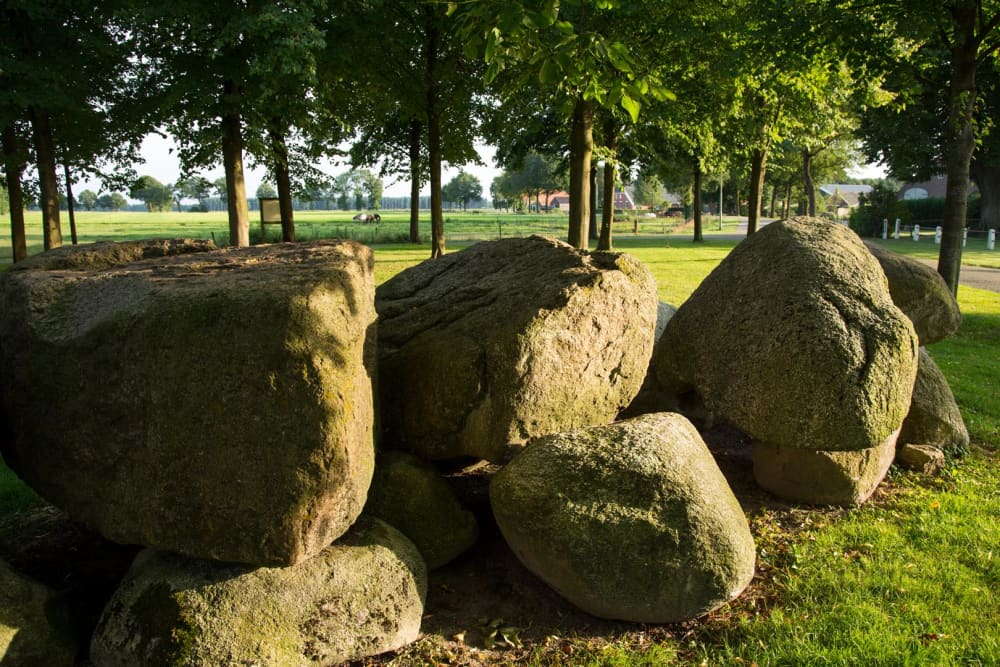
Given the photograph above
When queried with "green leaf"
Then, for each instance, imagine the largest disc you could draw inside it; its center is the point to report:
(619, 56)
(661, 94)
(491, 44)
(491, 71)
(551, 73)
(632, 107)
(565, 27)
(538, 20)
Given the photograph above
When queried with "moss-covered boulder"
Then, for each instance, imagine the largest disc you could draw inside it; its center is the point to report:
(485, 348)
(934, 417)
(361, 596)
(921, 293)
(410, 495)
(216, 404)
(795, 340)
(631, 521)
(35, 625)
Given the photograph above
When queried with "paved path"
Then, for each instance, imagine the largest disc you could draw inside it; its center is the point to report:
(974, 276)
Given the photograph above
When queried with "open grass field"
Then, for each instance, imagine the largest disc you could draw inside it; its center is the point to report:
(911, 578)
(309, 225)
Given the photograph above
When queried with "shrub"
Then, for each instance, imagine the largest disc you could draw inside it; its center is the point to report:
(878, 205)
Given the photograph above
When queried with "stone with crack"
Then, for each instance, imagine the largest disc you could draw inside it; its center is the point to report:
(794, 339)
(485, 348)
(216, 404)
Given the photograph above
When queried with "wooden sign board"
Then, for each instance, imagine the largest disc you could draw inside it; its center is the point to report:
(270, 212)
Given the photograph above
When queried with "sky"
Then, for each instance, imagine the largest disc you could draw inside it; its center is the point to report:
(161, 162)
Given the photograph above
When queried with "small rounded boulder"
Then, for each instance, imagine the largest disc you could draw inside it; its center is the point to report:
(631, 521)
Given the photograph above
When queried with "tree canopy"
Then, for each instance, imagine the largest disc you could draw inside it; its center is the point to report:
(691, 92)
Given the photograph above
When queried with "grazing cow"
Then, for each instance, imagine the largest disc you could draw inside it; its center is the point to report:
(366, 218)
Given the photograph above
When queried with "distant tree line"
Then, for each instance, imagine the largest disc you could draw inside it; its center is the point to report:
(751, 98)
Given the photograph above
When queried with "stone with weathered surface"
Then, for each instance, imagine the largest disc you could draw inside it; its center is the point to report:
(795, 340)
(482, 349)
(922, 458)
(106, 254)
(934, 417)
(409, 495)
(216, 404)
(35, 625)
(921, 293)
(630, 521)
(822, 477)
(652, 397)
(361, 596)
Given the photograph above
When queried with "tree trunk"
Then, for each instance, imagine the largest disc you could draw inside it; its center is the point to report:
(434, 134)
(13, 168)
(987, 178)
(807, 182)
(959, 140)
(580, 151)
(758, 169)
(593, 232)
(48, 184)
(416, 130)
(786, 205)
(70, 207)
(279, 150)
(698, 237)
(232, 157)
(607, 207)
(608, 200)
(736, 202)
(774, 200)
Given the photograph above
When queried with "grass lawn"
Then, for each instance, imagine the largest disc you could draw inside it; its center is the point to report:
(911, 578)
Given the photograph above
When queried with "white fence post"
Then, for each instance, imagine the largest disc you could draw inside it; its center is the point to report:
(991, 240)
(896, 234)
(916, 232)
(937, 234)
(885, 228)
(965, 236)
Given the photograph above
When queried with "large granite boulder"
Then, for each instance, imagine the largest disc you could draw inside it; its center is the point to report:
(106, 254)
(631, 521)
(35, 625)
(361, 596)
(795, 340)
(216, 404)
(934, 417)
(651, 396)
(921, 293)
(485, 348)
(410, 495)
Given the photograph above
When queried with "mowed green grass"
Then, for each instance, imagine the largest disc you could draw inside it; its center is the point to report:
(912, 579)
(460, 227)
